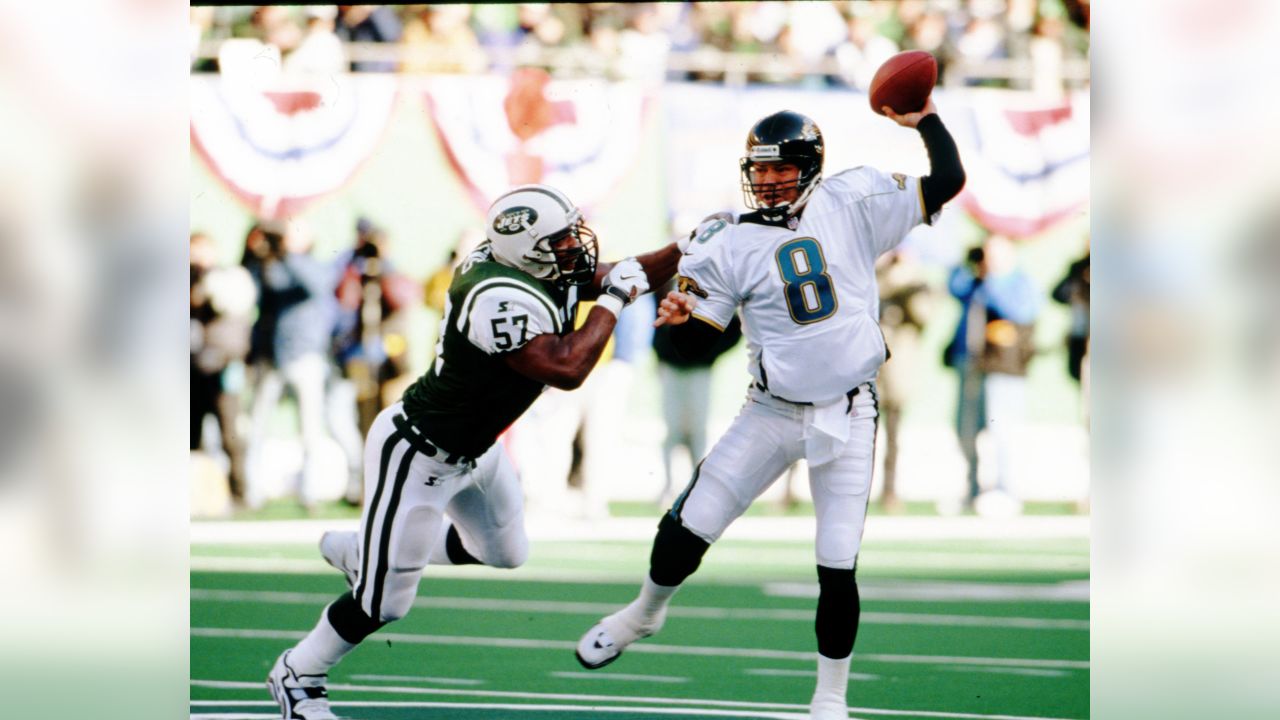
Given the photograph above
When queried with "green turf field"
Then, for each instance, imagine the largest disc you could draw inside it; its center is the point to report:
(991, 629)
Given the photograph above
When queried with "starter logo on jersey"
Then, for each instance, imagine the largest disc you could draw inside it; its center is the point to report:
(515, 220)
(901, 180)
(689, 285)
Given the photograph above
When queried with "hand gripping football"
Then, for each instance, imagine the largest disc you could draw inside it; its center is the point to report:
(904, 82)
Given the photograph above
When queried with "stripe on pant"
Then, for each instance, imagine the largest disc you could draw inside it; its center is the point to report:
(678, 506)
(387, 448)
(384, 543)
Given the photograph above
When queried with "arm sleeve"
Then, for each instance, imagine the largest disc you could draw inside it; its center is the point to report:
(946, 174)
(503, 318)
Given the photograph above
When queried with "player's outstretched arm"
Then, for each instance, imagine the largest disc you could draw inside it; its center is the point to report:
(946, 175)
(565, 361)
(659, 267)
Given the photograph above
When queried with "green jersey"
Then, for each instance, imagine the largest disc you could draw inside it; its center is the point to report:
(469, 396)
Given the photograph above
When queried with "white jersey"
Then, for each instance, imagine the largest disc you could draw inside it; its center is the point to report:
(810, 305)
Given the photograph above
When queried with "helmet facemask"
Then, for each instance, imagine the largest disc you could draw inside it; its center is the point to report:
(804, 184)
(573, 265)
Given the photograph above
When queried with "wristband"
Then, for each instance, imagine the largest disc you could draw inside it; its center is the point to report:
(609, 302)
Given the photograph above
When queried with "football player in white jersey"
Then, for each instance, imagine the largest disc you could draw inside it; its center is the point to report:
(801, 270)
(439, 490)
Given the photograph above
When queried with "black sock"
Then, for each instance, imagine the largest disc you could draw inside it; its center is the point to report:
(350, 621)
(676, 552)
(838, 610)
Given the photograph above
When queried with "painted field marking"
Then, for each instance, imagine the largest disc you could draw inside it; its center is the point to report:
(567, 645)
(618, 676)
(788, 710)
(776, 672)
(701, 613)
(419, 678)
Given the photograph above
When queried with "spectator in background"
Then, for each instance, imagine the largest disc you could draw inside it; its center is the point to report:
(905, 307)
(990, 351)
(295, 317)
(686, 397)
(929, 33)
(537, 25)
(436, 289)
(643, 45)
(1073, 291)
(321, 51)
(864, 50)
(369, 291)
(222, 300)
(275, 25)
(439, 39)
(369, 24)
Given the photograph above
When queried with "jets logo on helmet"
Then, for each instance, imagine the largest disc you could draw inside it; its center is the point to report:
(515, 220)
(536, 229)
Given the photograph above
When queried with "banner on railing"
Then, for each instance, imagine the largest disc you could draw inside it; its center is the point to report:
(581, 136)
(1027, 161)
(279, 146)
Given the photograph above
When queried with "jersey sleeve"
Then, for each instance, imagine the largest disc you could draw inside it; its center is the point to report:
(705, 273)
(892, 202)
(502, 317)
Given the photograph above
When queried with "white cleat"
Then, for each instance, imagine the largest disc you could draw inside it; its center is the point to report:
(342, 551)
(301, 697)
(606, 640)
(828, 707)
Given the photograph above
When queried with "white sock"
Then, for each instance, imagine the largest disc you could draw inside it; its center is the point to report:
(833, 676)
(320, 650)
(652, 602)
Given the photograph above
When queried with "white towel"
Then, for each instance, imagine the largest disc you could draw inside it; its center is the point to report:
(826, 430)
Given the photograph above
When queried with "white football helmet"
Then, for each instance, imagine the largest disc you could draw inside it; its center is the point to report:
(524, 225)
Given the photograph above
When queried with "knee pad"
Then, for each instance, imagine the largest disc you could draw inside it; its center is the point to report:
(511, 551)
(839, 608)
(417, 529)
(676, 554)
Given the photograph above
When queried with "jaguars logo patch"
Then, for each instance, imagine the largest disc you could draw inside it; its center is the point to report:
(690, 286)
(515, 220)
(901, 180)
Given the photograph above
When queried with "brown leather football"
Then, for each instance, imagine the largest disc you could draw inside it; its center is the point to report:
(904, 82)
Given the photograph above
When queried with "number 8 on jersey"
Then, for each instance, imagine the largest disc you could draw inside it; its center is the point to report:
(810, 295)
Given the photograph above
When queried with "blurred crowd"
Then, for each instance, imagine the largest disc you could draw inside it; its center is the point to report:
(328, 333)
(826, 43)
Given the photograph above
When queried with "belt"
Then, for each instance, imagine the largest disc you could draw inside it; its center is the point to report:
(419, 442)
(848, 396)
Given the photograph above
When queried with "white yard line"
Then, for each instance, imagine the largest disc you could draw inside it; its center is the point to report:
(1068, 591)
(786, 711)
(619, 676)
(1039, 527)
(419, 678)
(1033, 672)
(775, 672)
(599, 609)
(566, 645)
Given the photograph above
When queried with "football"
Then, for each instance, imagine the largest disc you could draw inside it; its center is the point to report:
(904, 82)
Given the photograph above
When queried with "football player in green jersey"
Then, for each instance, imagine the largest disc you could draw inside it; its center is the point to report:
(439, 489)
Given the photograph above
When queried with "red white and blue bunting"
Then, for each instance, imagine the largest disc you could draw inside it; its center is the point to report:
(279, 147)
